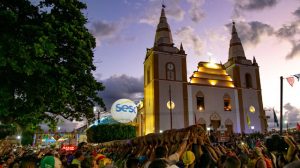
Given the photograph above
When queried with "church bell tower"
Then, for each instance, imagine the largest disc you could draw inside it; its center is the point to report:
(245, 74)
(165, 82)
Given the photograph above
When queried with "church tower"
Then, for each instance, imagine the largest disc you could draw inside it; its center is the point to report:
(245, 74)
(165, 82)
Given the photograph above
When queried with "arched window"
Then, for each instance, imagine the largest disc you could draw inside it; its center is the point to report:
(248, 81)
(200, 101)
(170, 71)
(227, 102)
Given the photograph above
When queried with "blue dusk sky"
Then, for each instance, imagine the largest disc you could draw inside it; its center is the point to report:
(269, 30)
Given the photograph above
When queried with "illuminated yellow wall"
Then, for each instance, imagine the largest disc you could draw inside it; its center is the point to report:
(149, 124)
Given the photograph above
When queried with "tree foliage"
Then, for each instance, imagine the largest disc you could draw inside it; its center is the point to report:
(7, 130)
(110, 132)
(46, 62)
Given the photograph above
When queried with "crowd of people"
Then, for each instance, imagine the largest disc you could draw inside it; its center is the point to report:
(190, 147)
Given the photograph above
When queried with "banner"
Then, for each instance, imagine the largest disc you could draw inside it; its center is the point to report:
(297, 76)
(248, 120)
(290, 80)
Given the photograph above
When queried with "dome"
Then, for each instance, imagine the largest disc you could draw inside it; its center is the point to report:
(211, 74)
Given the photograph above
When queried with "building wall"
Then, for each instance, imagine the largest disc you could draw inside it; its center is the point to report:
(214, 103)
(164, 58)
(248, 96)
(149, 101)
(177, 98)
(250, 99)
(248, 70)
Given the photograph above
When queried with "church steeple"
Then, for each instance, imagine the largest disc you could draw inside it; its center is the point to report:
(236, 49)
(163, 36)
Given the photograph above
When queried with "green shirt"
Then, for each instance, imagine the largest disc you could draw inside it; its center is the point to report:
(76, 161)
(48, 162)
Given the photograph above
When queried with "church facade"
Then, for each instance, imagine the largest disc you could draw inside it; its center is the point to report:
(216, 96)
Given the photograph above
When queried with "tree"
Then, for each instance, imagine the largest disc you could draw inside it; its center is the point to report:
(46, 62)
(109, 132)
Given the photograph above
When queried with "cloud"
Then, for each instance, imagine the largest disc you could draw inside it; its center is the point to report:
(291, 34)
(287, 31)
(104, 30)
(190, 39)
(196, 12)
(251, 33)
(250, 5)
(110, 31)
(295, 51)
(152, 14)
(297, 13)
(292, 113)
(117, 87)
(255, 4)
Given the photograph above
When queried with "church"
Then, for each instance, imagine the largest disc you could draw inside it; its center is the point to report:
(216, 96)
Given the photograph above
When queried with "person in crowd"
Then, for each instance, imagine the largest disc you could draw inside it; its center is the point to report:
(232, 162)
(28, 162)
(79, 157)
(51, 161)
(64, 160)
(132, 163)
(161, 152)
(159, 163)
(294, 164)
(256, 159)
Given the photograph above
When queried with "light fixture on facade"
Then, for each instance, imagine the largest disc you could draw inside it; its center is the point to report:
(252, 109)
(170, 105)
(212, 82)
(200, 108)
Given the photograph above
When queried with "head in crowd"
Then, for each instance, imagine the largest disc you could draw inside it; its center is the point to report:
(158, 163)
(79, 155)
(232, 162)
(132, 163)
(221, 161)
(188, 158)
(205, 159)
(161, 152)
(82, 145)
(281, 160)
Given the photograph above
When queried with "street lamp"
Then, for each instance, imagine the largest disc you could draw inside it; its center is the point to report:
(96, 110)
(19, 138)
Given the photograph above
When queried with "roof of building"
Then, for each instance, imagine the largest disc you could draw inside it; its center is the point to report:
(211, 74)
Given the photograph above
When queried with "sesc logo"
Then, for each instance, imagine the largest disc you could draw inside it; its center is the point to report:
(125, 108)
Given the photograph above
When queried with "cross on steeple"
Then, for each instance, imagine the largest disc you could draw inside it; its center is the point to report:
(163, 4)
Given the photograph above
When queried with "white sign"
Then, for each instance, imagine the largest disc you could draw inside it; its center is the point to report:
(123, 110)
